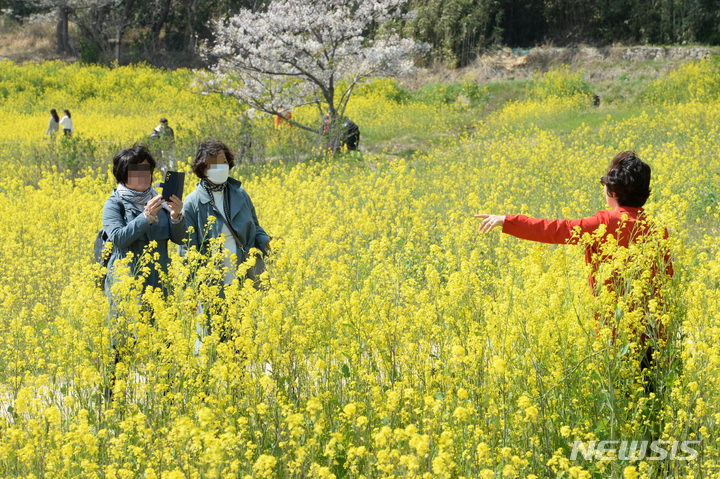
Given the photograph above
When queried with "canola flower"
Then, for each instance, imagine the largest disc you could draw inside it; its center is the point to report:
(393, 341)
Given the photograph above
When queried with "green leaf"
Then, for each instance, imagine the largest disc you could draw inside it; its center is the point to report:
(601, 426)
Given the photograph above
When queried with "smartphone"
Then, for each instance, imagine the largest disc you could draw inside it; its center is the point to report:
(173, 185)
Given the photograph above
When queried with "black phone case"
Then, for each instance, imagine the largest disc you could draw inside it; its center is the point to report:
(174, 183)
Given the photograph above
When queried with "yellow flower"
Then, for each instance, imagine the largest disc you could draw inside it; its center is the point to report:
(630, 472)
(350, 410)
(462, 393)
(385, 314)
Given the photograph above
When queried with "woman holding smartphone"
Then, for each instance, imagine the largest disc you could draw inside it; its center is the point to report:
(136, 215)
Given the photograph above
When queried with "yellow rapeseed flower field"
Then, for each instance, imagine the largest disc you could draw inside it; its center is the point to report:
(391, 340)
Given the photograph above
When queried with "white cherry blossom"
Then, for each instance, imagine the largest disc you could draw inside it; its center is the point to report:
(302, 52)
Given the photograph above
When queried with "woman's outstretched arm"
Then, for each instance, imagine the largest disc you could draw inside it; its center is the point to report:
(541, 230)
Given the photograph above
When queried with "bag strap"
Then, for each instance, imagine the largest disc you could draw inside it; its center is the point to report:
(122, 208)
(232, 230)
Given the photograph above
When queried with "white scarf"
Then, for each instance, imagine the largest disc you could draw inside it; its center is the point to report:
(139, 198)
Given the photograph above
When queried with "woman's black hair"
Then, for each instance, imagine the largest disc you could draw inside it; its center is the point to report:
(130, 156)
(628, 179)
(207, 150)
(67, 112)
(55, 116)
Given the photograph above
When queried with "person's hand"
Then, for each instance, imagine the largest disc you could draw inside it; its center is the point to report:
(176, 206)
(274, 245)
(489, 222)
(153, 206)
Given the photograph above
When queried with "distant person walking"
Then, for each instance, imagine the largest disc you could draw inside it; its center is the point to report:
(282, 118)
(163, 130)
(164, 136)
(54, 124)
(67, 124)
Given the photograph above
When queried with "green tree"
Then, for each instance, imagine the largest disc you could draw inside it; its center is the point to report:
(456, 28)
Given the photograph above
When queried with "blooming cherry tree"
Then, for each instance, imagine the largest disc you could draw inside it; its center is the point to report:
(305, 51)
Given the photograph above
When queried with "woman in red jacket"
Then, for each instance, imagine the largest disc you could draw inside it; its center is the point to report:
(627, 188)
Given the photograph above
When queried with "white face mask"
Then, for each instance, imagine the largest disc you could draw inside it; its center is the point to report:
(218, 174)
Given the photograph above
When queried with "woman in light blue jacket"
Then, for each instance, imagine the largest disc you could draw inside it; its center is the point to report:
(135, 215)
(224, 198)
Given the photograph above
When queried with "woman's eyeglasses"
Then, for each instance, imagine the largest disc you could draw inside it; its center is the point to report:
(603, 181)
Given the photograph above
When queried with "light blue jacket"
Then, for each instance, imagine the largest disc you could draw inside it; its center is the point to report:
(133, 233)
(198, 207)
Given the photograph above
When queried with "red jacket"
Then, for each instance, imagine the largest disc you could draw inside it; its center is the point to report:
(282, 119)
(562, 232)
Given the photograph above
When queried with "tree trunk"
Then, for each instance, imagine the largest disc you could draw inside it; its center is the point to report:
(192, 11)
(117, 45)
(121, 28)
(158, 25)
(63, 38)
